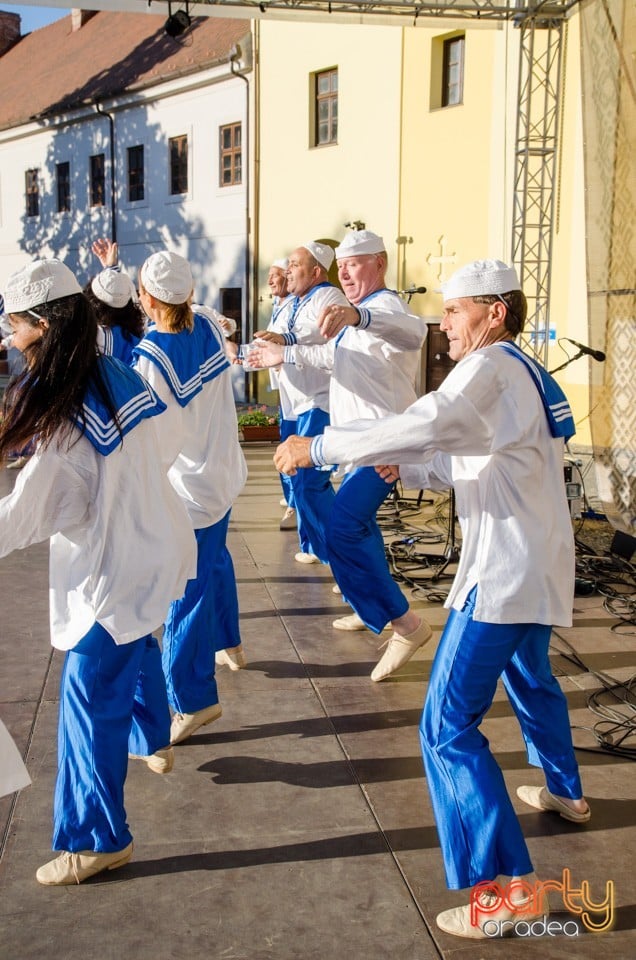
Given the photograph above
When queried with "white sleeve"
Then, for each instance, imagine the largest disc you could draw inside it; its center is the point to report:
(169, 424)
(434, 474)
(402, 330)
(320, 355)
(472, 414)
(49, 497)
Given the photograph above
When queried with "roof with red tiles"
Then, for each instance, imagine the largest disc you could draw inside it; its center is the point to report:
(55, 69)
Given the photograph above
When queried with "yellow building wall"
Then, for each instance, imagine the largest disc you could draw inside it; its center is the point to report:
(457, 184)
(435, 182)
(448, 153)
(311, 192)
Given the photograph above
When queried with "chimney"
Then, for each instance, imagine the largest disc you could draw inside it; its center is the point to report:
(79, 17)
(9, 30)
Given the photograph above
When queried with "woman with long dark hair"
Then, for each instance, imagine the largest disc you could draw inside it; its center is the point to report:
(121, 549)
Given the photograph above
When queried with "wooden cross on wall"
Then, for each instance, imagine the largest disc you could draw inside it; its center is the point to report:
(442, 259)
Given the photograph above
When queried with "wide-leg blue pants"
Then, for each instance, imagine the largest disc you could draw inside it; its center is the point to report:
(112, 702)
(225, 631)
(189, 641)
(479, 833)
(312, 490)
(356, 550)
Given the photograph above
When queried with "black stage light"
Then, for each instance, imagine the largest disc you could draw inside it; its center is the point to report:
(177, 23)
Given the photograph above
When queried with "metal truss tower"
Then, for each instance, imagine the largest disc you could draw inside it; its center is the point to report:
(538, 117)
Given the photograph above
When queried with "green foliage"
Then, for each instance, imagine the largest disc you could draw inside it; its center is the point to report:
(258, 417)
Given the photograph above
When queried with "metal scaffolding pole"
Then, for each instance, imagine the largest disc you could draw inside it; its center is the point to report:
(537, 145)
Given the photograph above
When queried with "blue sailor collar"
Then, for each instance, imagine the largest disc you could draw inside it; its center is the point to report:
(118, 344)
(555, 404)
(187, 359)
(133, 399)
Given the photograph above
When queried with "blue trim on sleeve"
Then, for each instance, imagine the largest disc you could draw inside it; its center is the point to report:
(365, 318)
(315, 451)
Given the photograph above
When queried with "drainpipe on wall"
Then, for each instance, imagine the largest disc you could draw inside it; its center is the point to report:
(246, 332)
(113, 192)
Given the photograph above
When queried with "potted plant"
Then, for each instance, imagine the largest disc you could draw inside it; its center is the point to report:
(259, 423)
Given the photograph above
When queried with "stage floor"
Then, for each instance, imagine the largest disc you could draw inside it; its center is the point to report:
(298, 826)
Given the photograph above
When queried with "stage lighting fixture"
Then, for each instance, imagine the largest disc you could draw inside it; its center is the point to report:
(178, 22)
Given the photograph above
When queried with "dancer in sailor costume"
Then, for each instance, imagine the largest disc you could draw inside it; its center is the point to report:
(114, 300)
(121, 549)
(304, 390)
(283, 305)
(182, 356)
(373, 355)
(495, 431)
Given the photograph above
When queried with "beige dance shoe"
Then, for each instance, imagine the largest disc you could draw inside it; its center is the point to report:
(162, 761)
(185, 724)
(288, 520)
(350, 622)
(306, 558)
(232, 657)
(399, 651)
(541, 799)
(75, 867)
(494, 922)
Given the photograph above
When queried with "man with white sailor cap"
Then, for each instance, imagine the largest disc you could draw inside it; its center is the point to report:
(282, 307)
(304, 391)
(373, 353)
(495, 431)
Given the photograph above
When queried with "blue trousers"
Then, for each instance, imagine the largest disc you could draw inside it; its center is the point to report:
(287, 428)
(226, 630)
(356, 550)
(312, 490)
(479, 833)
(112, 702)
(189, 642)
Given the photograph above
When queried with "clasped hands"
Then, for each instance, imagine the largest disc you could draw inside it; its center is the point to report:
(332, 320)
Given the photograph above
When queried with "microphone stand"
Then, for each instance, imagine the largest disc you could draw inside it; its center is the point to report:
(569, 360)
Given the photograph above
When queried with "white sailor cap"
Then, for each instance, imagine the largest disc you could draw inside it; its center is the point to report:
(321, 252)
(113, 288)
(40, 282)
(167, 276)
(360, 243)
(481, 277)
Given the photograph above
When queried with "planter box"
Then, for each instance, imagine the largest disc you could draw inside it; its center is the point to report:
(267, 434)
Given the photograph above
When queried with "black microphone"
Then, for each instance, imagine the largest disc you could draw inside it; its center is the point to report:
(418, 290)
(596, 354)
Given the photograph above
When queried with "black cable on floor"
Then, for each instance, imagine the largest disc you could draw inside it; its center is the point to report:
(618, 716)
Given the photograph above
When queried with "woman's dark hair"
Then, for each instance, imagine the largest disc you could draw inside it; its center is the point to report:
(45, 398)
(130, 318)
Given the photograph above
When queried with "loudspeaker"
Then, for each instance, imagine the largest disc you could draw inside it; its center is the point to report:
(623, 545)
